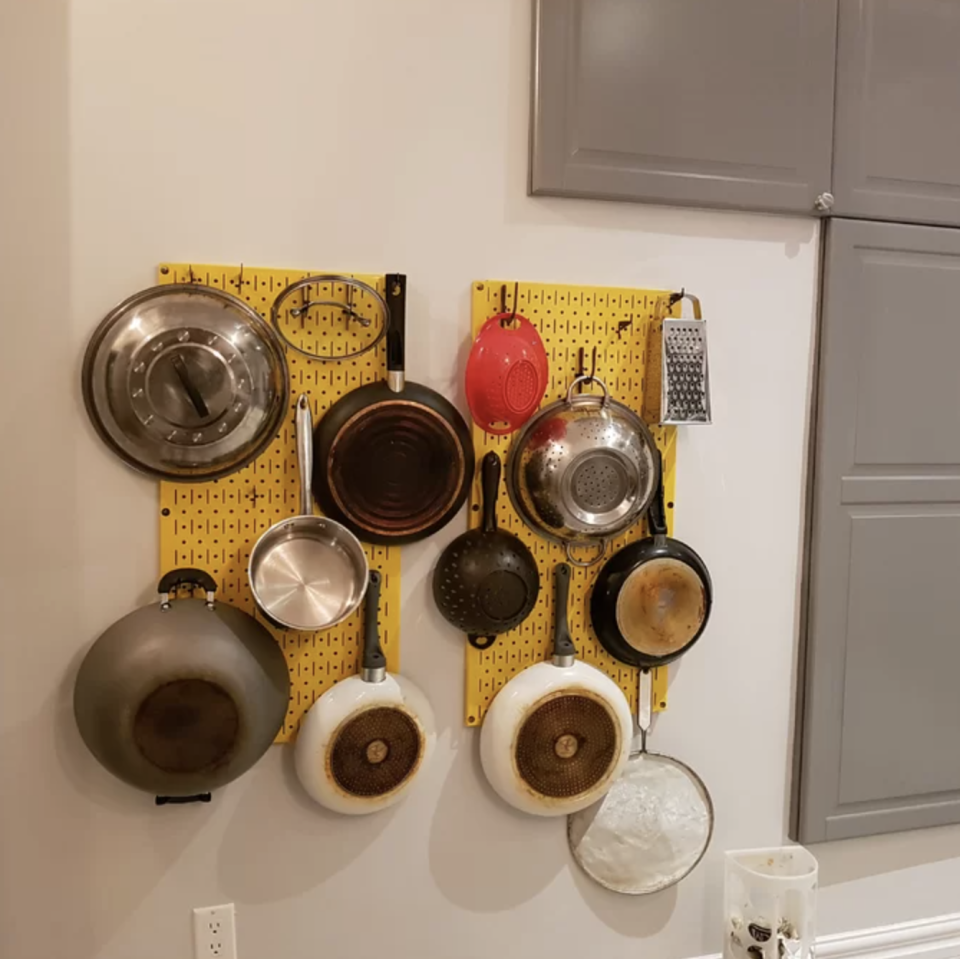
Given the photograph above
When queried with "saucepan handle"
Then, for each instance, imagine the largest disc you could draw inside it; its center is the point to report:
(304, 431)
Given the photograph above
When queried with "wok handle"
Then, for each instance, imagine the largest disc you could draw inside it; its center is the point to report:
(563, 647)
(374, 663)
(396, 289)
(657, 512)
(490, 477)
(304, 429)
(186, 576)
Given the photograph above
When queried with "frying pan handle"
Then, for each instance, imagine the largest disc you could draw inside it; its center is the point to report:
(585, 564)
(490, 477)
(657, 512)
(186, 576)
(563, 649)
(396, 284)
(304, 429)
(374, 663)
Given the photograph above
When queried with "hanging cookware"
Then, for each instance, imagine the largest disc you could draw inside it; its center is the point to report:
(308, 572)
(507, 373)
(652, 599)
(394, 459)
(582, 470)
(652, 828)
(486, 581)
(182, 696)
(558, 734)
(185, 382)
(364, 741)
(685, 371)
(356, 294)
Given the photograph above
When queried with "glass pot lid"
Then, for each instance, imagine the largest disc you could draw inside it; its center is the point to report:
(185, 382)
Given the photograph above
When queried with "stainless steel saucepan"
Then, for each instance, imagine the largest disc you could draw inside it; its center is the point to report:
(309, 572)
(182, 696)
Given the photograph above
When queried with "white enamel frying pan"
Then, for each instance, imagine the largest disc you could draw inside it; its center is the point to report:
(364, 741)
(558, 734)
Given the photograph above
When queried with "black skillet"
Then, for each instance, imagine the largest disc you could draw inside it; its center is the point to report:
(393, 460)
(486, 581)
(652, 599)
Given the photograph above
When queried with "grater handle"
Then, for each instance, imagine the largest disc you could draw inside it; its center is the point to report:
(684, 295)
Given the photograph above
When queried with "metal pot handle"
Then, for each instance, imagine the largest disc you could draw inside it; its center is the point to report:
(582, 380)
(567, 547)
(186, 576)
(303, 424)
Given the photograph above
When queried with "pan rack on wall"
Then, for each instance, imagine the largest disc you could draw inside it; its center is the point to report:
(622, 325)
(215, 525)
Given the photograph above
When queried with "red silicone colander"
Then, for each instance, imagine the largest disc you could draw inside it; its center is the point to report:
(507, 373)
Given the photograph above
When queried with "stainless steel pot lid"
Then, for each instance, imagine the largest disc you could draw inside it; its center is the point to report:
(185, 382)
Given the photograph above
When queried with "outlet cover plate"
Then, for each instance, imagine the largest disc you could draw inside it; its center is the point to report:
(214, 932)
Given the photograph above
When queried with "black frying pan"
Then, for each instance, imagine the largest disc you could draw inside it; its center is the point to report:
(652, 599)
(393, 460)
(486, 581)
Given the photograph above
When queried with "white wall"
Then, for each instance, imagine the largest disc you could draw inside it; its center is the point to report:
(374, 135)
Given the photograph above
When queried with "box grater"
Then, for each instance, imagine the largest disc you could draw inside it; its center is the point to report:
(685, 374)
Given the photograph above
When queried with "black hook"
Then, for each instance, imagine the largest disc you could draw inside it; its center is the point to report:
(507, 320)
(503, 297)
(675, 298)
(239, 282)
(624, 325)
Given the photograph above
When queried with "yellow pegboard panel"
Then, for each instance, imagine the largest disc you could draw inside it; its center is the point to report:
(215, 525)
(621, 324)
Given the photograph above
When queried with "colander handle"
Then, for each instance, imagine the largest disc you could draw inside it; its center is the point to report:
(582, 381)
(490, 480)
(584, 564)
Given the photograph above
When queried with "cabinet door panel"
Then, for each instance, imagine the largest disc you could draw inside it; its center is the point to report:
(897, 139)
(879, 721)
(685, 101)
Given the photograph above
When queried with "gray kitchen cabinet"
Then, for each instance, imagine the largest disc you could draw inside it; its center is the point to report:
(879, 706)
(687, 102)
(897, 126)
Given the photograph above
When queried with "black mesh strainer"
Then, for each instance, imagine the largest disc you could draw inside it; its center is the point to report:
(486, 581)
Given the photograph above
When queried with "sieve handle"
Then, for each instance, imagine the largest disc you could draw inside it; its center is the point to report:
(645, 706)
(490, 480)
(304, 429)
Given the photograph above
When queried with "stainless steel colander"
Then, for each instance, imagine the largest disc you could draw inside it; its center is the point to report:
(583, 470)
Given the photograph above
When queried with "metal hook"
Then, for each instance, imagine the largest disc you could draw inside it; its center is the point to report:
(193, 279)
(581, 370)
(505, 321)
(239, 281)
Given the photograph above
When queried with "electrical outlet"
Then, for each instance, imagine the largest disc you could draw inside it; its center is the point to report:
(214, 932)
